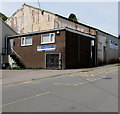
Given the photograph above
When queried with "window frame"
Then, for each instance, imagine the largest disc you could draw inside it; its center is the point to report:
(49, 37)
(49, 17)
(24, 38)
(100, 46)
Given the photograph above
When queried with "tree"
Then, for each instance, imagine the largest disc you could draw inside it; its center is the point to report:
(2, 16)
(73, 17)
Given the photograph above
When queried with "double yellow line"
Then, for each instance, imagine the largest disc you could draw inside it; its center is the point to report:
(19, 83)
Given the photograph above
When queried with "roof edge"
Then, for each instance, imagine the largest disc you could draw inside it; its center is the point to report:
(38, 8)
(52, 30)
(63, 18)
(86, 25)
(31, 7)
(75, 22)
(8, 26)
(37, 32)
(107, 33)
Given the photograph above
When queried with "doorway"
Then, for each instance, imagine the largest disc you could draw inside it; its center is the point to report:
(104, 54)
(53, 61)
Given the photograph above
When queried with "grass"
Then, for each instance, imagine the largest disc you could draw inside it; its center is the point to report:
(15, 68)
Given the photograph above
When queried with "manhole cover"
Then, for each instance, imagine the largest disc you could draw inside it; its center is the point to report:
(107, 78)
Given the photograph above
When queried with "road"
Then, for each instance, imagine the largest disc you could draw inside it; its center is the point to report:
(93, 90)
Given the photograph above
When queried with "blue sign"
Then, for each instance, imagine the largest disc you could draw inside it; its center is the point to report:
(113, 44)
(46, 48)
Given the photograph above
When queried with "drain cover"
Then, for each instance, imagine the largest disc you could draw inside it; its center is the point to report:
(107, 78)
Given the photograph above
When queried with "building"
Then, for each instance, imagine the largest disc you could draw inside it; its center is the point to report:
(5, 31)
(69, 44)
(56, 49)
(30, 19)
(107, 48)
(62, 48)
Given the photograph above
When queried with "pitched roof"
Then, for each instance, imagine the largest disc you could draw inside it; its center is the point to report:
(38, 8)
(7, 25)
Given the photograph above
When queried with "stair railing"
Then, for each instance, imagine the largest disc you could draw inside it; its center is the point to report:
(15, 52)
(19, 58)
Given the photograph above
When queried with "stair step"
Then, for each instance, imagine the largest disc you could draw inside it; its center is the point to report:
(17, 60)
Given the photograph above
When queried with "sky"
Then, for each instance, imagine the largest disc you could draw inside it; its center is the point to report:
(101, 15)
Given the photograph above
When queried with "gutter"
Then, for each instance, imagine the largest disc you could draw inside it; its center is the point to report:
(53, 30)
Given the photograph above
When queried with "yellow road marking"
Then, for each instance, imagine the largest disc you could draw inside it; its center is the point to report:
(26, 82)
(80, 74)
(87, 74)
(90, 78)
(63, 83)
(92, 75)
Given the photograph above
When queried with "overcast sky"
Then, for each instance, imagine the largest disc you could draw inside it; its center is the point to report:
(101, 15)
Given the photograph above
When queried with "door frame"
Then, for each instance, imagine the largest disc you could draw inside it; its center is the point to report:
(104, 55)
(60, 59)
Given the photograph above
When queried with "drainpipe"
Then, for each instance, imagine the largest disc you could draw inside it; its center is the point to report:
(96, 49)
(6, 52)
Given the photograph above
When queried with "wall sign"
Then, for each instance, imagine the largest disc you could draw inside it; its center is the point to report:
(113, 44)
(46, 48)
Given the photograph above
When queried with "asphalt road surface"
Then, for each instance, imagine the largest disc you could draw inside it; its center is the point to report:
(94, 90)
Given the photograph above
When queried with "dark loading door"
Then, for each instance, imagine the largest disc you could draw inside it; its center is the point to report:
(104, 53)
(84, 52)
(53, 61)
(87, 52)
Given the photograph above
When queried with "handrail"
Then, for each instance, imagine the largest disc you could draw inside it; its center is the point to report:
(18, 59)
(15, 52)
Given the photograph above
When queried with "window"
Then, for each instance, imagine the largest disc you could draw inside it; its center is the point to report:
(48, 17)
(48, 38)
(26, 41)
(92, 43)
(42, 12)
(22, 20)
(100, 46)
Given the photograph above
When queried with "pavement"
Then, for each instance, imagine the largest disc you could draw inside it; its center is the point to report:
(76, 90)
(18, 76)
